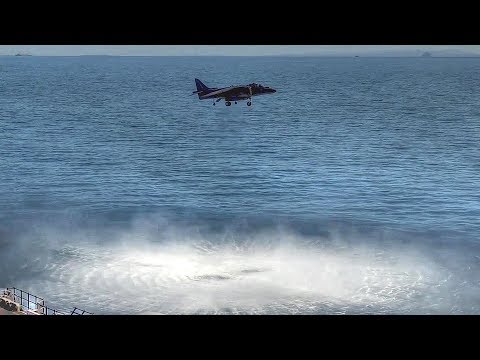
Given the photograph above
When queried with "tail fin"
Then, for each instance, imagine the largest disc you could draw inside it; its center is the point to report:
(201, 86)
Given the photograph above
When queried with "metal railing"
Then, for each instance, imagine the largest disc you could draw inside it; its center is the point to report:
(77, 311)
(34, 305)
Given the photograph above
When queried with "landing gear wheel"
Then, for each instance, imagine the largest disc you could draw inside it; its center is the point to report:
(228, 103)
(249, 103)
(213, 104)
(235, 103)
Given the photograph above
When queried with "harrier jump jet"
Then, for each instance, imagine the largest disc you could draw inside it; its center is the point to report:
(231, 93)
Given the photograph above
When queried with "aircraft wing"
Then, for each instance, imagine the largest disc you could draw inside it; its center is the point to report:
(227, 92)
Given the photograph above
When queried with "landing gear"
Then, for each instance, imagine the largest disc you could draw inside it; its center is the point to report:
(235, 103)
(213, 104)
(228, 103)
(249, 103)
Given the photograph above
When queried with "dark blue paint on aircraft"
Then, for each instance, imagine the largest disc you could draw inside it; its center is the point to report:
(231, 93)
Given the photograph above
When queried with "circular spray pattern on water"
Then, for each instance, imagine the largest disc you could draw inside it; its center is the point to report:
(257, 277)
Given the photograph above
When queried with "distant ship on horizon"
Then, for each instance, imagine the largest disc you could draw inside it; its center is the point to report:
(23, 54)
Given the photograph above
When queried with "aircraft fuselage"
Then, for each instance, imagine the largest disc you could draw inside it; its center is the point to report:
(231, 93)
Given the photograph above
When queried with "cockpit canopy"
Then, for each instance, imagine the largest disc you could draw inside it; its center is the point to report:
(255, 85)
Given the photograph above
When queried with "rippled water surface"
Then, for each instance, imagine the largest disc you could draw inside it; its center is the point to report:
(353, 189)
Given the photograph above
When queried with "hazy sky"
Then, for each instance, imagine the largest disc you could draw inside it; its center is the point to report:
(230, 49)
